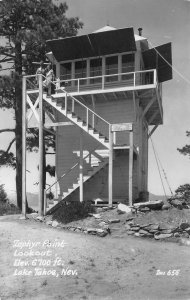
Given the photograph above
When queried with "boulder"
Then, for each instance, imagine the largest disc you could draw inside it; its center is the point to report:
(101, 232)
(114, 221)
(40, 218)
(130, 232)
(55, 223)
(129, 219)
(155, 205)
(166, 231)
(135, 228)
(166, 206)
(124, 208)
(144, 209)
(184, 225)
(49, 222)
(137, 234)
(145, 233)
(152, 227)
(176, 234)
(162, 236)
(96, 216)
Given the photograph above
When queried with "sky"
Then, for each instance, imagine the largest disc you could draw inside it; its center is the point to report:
(162, 21)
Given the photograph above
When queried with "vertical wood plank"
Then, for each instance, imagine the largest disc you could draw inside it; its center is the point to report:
(81, 166)
(131, 168)
(41, 162)
(110, 169)
(24, 146)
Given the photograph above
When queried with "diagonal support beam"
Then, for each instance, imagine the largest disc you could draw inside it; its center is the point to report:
(151, 132)
(33, 109)
(148, 106)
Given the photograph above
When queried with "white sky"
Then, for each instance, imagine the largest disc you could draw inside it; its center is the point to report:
(162, 21)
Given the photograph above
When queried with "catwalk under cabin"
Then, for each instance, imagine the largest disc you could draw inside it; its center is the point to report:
(108, 102)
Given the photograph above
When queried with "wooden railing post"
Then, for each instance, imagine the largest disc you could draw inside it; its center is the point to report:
(78, 89)
(110, 170)
(87, 118)
(41, 141)
(81, 166)
(24, 146)
(131, 167)
(66, 103)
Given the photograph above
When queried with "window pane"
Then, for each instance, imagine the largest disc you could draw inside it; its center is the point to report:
(95, 69)
(65, 70)
(111, 68)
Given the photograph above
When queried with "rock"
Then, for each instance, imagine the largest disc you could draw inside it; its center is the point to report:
(40, 218)
(135, 228)
(91, 230)
(55, 224)
(114, 221)
(96, 216)
(141, 231)
(166, 206)
(187, 230)
(77, 230)
(152, 227)
(166, 231)
(137, 234)
(124, 208)
(162, 236)
(102, 234)
(155, 205)
(145, 233)
(176, 234)
(129, 219)
(144, 209)
(184, 225)
(49, 223)
(144, 225)
(103, 223)
(176, 203)
(130, 232)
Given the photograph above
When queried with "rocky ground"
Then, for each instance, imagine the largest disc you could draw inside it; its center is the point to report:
(110, 254)
(159, 222)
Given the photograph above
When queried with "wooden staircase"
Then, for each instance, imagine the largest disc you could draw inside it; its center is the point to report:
(96, 166)
(80, 115)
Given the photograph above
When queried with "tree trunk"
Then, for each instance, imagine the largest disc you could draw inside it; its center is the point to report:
(18, 119)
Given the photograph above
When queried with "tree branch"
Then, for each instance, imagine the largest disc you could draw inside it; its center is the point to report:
(10, 145)
(7, 130)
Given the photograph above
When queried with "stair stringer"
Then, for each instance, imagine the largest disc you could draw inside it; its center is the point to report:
(80, 123)
(76, 186)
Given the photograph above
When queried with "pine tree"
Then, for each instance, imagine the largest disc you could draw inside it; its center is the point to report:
(26, 25)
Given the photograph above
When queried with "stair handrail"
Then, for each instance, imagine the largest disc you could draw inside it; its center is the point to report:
(72, 97)
(69, 170)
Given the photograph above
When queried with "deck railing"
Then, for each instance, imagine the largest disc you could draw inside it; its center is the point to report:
(131, 79)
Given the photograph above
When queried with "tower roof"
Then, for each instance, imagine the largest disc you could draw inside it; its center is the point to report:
(105, 28)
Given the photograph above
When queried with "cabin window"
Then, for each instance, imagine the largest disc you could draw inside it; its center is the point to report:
(111, 68)
(65, 73)
(95, 70)
(80, 71)
(128, 65)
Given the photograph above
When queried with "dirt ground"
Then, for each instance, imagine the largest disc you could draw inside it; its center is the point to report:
(88, 267)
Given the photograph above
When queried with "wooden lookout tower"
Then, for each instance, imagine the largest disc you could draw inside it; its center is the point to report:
(106, 105)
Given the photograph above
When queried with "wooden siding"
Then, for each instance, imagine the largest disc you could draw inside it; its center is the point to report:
(120, 111)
